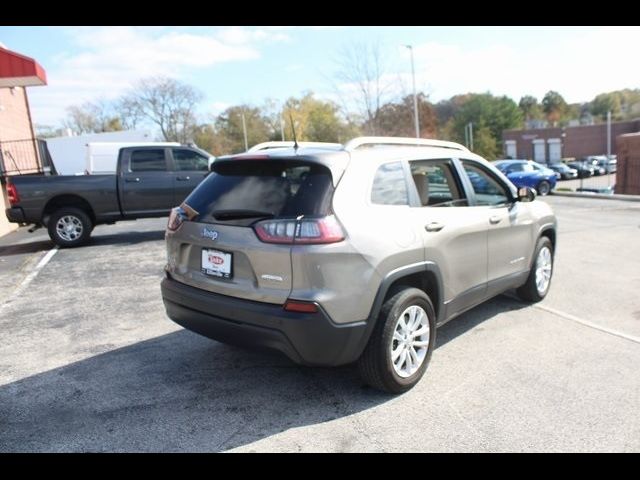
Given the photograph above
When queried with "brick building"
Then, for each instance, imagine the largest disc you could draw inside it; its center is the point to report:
(628, 174)
(18, 146)
(552, 144)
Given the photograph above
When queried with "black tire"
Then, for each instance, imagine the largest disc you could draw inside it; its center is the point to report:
(75, 238)
(544, 188)
(375, 365)
(529, 291)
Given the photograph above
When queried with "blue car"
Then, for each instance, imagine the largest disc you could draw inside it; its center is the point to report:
(525, 173)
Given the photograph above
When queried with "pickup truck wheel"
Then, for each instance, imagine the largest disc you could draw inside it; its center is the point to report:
(401, 343)
(539, 280)
(69, 227)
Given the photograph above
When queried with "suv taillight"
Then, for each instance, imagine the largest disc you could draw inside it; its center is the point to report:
(307, 230)
(176, 219)
(12, 193)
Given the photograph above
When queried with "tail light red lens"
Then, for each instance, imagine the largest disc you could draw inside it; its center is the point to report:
(306, 231)
(12, 193)
(176, 219)
(301, 307)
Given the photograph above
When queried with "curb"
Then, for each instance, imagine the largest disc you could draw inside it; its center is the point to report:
(628, 198)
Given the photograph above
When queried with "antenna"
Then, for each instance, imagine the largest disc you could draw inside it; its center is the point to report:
(293, 127)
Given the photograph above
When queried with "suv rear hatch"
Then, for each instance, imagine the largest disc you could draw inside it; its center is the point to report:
(233, 234)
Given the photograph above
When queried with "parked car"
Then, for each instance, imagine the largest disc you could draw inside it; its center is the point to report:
(352, 255)
(565, 171)
(609, 165)
(148, 183)
(523, 174)
(545, 169)
(584, 170)
(594, 162)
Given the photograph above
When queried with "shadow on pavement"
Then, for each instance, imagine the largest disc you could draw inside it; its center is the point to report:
(177, 392)
(474, 317)
(126, 238)
(23, 248)
(183, 392)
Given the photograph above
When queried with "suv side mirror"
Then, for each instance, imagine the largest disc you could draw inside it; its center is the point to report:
(211, 161)
(526, 194)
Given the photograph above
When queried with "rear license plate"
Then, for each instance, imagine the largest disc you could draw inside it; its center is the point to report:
(216, 263)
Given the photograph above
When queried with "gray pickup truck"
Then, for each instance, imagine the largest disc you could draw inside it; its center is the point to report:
(148, 182)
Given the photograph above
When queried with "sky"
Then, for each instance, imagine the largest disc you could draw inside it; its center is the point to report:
(237, 65)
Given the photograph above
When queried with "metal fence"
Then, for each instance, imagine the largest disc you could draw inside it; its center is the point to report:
(591, 179)
(19, 157)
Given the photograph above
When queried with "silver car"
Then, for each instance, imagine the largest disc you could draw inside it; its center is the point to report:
(356, 253)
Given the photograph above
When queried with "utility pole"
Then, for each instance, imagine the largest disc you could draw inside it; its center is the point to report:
(415, 96)
(608, 147)
(244, 129)
(468, 135)
(282, 128)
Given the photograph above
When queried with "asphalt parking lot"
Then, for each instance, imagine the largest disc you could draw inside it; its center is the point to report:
(89, 361)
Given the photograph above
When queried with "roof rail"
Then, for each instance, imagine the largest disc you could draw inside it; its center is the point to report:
(290, 144)
(401, 141)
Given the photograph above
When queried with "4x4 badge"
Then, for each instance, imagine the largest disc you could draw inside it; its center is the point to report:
(212, 234)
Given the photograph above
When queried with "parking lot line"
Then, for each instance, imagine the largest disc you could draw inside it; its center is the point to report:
(587, 323)
(29, 278)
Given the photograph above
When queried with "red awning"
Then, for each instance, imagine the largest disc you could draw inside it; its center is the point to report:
(19, 71)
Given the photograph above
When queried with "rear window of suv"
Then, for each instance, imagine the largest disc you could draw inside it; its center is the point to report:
(283, 188)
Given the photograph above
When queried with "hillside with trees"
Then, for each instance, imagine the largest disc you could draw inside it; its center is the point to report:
(364, 105)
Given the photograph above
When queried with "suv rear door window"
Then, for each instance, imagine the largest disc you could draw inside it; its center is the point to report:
(243, 189)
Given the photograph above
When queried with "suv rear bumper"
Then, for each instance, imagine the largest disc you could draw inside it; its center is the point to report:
(306, 338)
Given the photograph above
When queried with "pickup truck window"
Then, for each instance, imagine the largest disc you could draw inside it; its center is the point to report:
(184, 159)
(148, 161)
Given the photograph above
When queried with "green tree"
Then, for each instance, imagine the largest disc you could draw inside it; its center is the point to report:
(554, 106)
(316, 120)
(606, 102)
(490, 116)
(230, 132)
(485, 144)
(531, 109)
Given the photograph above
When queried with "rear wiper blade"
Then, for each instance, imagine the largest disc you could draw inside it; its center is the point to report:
(228, 214)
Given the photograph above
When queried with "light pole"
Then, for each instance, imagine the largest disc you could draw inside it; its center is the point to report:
(244, 129)
(415, 97)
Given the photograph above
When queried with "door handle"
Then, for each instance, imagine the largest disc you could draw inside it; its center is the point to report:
(434, 227)
(495, 219)
(132, 180)
(183, 179)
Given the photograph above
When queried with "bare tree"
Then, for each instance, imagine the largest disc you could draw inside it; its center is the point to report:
(166, 102)
(361, 67)
(92, 117)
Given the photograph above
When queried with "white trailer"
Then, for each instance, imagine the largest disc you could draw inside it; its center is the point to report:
(69, 154)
